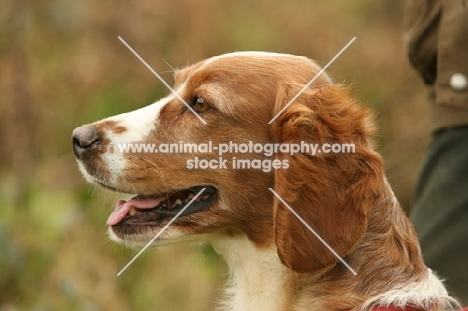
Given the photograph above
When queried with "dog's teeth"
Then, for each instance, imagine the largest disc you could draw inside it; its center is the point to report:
(178, 202)
(190, 196)
(132, 211)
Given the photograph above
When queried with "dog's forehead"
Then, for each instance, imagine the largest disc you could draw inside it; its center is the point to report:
(252, 60)
(249, 56)
(249, 62)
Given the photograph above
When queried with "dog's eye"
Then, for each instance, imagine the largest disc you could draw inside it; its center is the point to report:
(200, 105)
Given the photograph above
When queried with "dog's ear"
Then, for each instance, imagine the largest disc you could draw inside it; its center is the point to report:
(332, 192)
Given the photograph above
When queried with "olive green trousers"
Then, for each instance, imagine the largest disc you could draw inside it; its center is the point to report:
(440, 210)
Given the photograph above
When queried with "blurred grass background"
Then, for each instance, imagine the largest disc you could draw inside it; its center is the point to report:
(61, 66)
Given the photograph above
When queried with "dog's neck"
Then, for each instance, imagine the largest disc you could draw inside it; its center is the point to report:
(258, 280)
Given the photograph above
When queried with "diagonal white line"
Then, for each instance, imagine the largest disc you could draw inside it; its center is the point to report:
(311, 81)
(162, 80)
(313, 231)
(160, 232)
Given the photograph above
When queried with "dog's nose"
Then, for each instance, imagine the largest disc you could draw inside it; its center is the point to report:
(83, 138)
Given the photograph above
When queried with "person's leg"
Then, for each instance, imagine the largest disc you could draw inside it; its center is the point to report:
(440, 209)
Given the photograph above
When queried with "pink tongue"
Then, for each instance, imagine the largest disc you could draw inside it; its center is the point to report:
(123, 207)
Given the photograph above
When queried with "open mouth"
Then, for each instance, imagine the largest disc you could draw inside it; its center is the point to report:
(152, 210)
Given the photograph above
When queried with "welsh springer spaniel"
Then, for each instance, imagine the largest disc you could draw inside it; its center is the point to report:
(275, 261)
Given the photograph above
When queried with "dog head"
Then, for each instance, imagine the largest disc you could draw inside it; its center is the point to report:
(161, 154)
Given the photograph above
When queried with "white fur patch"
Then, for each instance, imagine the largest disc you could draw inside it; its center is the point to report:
(85, 174)
(425, 294)
(139, 124)
(258, 280)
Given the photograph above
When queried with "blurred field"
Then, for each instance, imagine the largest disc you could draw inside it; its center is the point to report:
(61, 65)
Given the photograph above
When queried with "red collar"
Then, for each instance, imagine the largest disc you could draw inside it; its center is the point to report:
(394, 308)
(407, 308)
